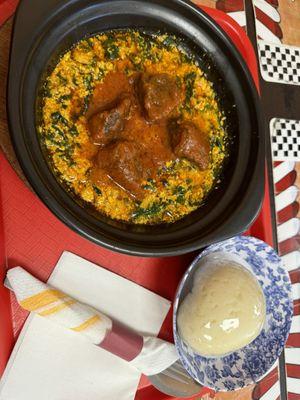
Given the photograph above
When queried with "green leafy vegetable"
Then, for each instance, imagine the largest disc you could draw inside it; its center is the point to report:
(169, 41)
(74, 131)
(208, 107)
(89, 43)
(57, 130)
(189, 80)
(85, 105)
(57, 117)
(86, 45)
(62, 79)
(74, 80)
(88, 82)
(111, 50)
(216, 141)
(97, 190)
(180, 191)
(186, 58)
(151, 211)
(150, 185)
(64, 98)
(178, 82)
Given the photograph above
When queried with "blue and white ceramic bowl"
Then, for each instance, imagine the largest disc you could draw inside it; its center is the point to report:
(248, 364)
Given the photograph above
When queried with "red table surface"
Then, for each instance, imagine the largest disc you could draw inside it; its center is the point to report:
(31, 236)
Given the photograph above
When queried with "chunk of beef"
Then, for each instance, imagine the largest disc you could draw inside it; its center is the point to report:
(189, 142)
(105, 94)
(122, 162)
(107, 125)
(159, 95)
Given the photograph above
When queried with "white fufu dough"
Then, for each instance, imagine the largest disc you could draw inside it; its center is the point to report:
(225, 310)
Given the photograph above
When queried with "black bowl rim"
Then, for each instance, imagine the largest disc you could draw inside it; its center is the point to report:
(233, 227)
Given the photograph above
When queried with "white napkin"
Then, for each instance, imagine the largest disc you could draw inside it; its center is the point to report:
(52, 363)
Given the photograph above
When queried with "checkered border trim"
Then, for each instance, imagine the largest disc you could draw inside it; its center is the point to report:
(279, 63)
(285, 139)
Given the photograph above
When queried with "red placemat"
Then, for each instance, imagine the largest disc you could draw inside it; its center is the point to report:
(35, 238)
(7, 8)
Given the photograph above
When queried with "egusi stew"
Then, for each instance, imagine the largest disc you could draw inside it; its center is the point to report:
(132, 125)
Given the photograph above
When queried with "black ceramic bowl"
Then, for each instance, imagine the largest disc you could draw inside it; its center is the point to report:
(45, 29)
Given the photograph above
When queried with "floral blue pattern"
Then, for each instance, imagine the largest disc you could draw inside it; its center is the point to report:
(248, 364)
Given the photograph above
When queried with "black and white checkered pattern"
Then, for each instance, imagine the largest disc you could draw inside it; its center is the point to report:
(285, 139)
(279, 63)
